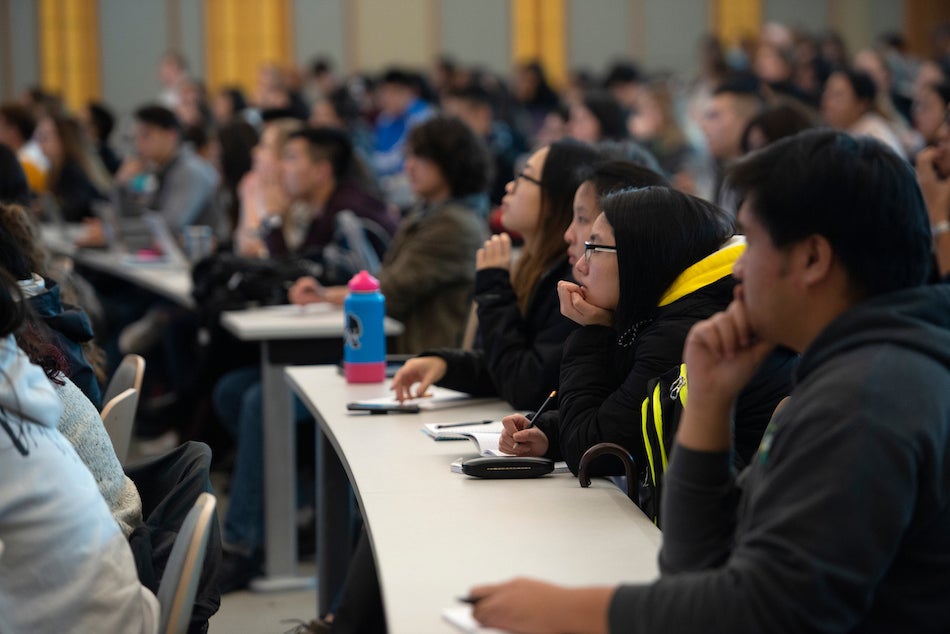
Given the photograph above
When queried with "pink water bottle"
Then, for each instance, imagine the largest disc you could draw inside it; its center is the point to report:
(364, 339)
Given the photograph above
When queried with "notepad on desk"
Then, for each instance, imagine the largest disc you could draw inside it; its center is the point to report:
(461, 617)
(436, 398)
(487, 444)
(456, 431)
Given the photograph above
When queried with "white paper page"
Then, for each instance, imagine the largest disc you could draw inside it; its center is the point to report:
(461, 617)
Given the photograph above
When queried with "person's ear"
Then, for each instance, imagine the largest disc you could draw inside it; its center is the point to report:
(817, 259)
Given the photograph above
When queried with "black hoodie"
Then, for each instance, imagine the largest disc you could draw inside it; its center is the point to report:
(842, 521)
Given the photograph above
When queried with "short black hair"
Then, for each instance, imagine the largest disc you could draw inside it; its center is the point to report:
(102, 119)
(610, 115)
(473, 94)
(660, 232)
(329, 144)
(854, 191)
(743, 84)
(20, 118)
(861, 83)
(321, 65)
(456, 150)
(623, 73)
(158, 116)
(400, 77)
(610, 176)
(777, 122)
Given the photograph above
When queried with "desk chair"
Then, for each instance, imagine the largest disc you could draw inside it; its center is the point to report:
(118, 417)
(176, 593)
(129, 374)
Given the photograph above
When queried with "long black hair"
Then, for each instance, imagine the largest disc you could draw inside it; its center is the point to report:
(660, 232)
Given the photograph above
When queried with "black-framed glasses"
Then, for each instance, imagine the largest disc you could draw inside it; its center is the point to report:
(602, 248)
(521, 175)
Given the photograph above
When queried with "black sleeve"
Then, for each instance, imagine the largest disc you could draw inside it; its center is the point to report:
(523, 357)
(597, 405)
(518, 359)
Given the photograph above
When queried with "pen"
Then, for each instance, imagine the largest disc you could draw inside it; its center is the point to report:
(541, 409)
(477, 422)
(469, 600)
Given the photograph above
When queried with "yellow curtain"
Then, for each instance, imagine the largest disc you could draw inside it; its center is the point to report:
(242, 35)
(735, 19)
(539, 32)
(69, 49)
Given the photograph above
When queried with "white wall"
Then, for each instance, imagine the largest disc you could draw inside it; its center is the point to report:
(598, 33)
(320, 31)
(478, 32)
(370, 34)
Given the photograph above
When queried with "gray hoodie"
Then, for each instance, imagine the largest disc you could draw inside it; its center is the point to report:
(842, 521)
(65, 564)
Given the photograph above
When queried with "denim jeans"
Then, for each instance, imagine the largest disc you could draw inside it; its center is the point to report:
(239, 404)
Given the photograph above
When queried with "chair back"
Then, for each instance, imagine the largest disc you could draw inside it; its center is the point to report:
(176, 592)
(118, 417)
(128, 375)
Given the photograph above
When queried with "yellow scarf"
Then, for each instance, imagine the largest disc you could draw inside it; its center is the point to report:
(711, 268)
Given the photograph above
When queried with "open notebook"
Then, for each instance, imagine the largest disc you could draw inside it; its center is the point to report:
(485, 437)
(461, 617)
(436, 398)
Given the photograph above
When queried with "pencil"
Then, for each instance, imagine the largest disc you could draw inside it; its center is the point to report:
(541, 409)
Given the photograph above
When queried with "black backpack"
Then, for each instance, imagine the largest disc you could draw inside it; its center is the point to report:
(660, 416)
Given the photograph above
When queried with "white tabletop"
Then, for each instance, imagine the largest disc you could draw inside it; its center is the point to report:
(171, 281)
(314, 321)
(437, 533)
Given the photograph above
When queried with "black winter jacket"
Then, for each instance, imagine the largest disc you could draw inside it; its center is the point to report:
(516, 357)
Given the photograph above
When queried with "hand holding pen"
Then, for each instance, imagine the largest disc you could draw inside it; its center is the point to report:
(520, 437)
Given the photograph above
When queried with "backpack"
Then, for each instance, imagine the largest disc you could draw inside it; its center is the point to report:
(659, 419)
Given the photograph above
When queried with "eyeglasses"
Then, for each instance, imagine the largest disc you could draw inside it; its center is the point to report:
(603, 248)
(521, 175)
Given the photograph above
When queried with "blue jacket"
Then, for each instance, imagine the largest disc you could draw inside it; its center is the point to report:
(71, 328)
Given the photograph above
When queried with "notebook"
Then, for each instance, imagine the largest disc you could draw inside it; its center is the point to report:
(461, 617)
(436, 398)
(451, 431)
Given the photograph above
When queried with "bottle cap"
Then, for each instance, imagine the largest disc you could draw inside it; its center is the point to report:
(363, 282)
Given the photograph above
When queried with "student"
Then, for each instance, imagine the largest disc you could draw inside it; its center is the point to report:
(76, 178)
(597, 117)
(429, 269)
(725, 117)
(657, 262)
(520, 330)
(841, 521)
(69, 326)
(66, 564)
(848, 104)
(165, 174)
(933, 176)
(261, 191)
(319, 170)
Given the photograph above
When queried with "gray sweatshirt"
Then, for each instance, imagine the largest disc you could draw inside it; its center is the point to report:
(842, 521)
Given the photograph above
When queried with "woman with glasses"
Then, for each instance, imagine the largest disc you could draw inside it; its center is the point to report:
(656, 262)
(517, 346)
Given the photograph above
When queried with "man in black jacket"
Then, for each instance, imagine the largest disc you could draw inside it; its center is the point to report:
(841, 521)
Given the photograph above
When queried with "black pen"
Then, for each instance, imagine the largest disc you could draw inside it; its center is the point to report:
(469, 600)
(541, 409)
(477, 422)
